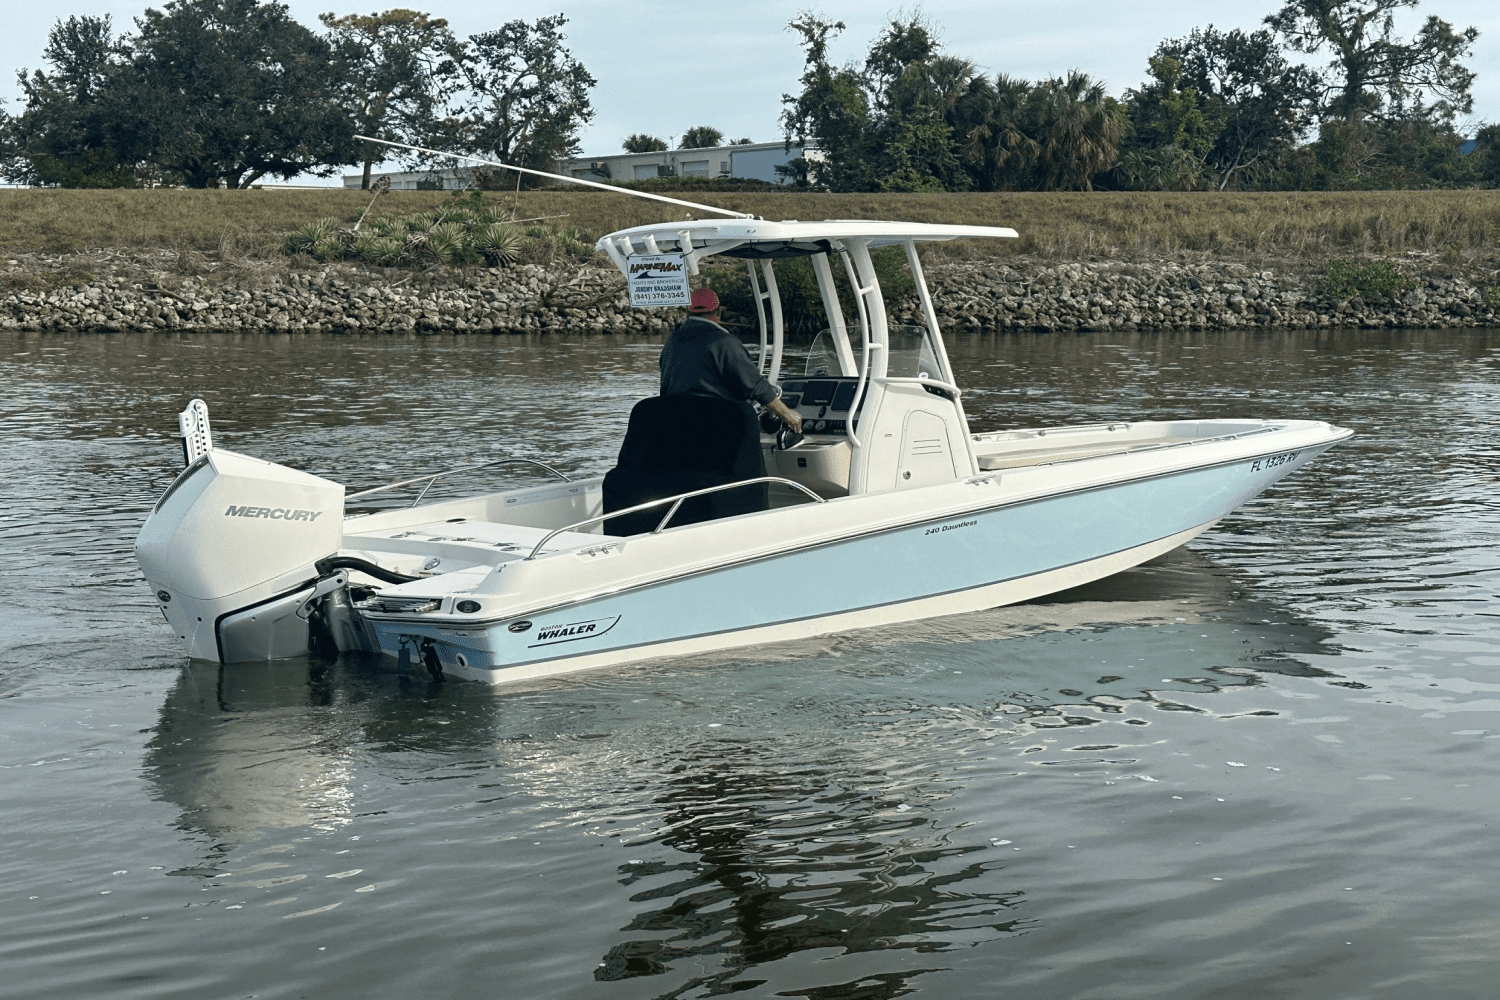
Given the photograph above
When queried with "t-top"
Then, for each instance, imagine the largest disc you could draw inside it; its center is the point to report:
(701, 358)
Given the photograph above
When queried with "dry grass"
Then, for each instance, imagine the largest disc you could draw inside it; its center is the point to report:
(1052, 225)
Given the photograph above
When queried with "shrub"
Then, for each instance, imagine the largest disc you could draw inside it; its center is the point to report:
(303, 240)
(449, 243)
(451, 212)
(327, 248)
(1344, 279)
(498, 242)
(377, 249)
(462, 230)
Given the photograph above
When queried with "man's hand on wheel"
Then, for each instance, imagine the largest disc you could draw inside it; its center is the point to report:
(788, 416)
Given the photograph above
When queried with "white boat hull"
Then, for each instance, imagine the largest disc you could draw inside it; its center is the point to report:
(521, 585)
(1004, 547)
(992, 595)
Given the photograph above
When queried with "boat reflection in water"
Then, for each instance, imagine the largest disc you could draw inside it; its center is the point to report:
(774, 862)
(842, 819)
(250, 751)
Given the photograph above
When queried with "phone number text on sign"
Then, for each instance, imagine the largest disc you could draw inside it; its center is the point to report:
(658, 280)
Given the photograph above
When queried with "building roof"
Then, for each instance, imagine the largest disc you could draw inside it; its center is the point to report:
(740, 147)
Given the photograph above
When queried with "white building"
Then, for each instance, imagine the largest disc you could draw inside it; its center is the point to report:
(445, 179)
(753, 161)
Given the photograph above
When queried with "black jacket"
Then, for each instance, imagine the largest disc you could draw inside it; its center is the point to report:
(701, 358)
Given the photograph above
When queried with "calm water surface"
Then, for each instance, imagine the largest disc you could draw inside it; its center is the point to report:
(1263, 766)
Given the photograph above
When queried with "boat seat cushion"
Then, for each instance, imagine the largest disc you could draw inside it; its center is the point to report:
(680, 443)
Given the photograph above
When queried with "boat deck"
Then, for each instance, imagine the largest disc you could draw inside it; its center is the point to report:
(456, 543)
(1049, 446)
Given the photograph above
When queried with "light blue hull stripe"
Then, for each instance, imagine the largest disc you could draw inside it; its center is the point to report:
(895, 566)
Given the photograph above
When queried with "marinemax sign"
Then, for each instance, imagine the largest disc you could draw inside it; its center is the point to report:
(657, 280)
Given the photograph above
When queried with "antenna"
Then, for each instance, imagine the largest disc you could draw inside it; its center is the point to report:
(561, 177)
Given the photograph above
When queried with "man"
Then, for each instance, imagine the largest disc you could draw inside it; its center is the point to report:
(701, 358)
(700, 433)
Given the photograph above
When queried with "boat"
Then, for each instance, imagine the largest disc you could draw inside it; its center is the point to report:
(888, 509)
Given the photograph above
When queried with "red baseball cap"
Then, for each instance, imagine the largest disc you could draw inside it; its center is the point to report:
(704, 300)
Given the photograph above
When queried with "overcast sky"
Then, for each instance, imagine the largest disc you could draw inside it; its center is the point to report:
(663, 68)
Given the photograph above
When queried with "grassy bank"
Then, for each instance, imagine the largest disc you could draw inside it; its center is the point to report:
(1052, 225)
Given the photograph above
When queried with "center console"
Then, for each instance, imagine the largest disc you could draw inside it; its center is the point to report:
(821, 460)
(823, 402)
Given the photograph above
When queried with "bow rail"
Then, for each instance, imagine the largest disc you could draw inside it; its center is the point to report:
(434, 477)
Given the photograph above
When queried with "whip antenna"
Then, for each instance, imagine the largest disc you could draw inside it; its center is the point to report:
(562, 177)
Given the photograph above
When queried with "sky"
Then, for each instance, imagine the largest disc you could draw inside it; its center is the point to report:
(664, 68)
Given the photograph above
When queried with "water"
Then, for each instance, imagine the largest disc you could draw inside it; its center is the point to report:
(1264, 766)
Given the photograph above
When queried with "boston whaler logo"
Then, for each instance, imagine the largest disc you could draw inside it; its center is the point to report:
(549, 635)
(274, 513)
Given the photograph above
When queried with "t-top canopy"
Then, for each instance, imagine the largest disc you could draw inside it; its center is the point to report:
(756, 238)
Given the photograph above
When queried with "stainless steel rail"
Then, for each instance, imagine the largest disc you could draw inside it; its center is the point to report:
(675, 501)
(448, 472)
(916, 380)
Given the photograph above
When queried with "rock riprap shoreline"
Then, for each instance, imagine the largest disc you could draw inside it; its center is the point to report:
(1176, 296)
(119, 292)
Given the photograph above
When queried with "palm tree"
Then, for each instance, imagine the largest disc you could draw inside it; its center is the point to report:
(995, 122)
(640, 142)
(1081, 129)
(701, 137)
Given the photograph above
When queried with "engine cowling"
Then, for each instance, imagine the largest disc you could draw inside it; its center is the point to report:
(229, 551)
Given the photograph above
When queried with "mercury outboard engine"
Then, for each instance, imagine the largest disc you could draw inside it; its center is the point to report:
(230, 550)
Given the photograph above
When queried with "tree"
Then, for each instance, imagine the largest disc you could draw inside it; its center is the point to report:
(9, 155)
(916, 149)
(994, 119)
(1055, 134)
(527, 96)
(1172, 129)
(898, 48)
(1161, 168)
(1374, 72)
(913, 89)
(64, 136)
(701, 137)
(81, 52)
(1371, 154)
(831, 114)
(398, 70)
(881, 126)
(1170, 113)
(1486, 155)
(1080, 128)
(913, 118)
(224, 92)
(1262, 102)
(640, 142)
